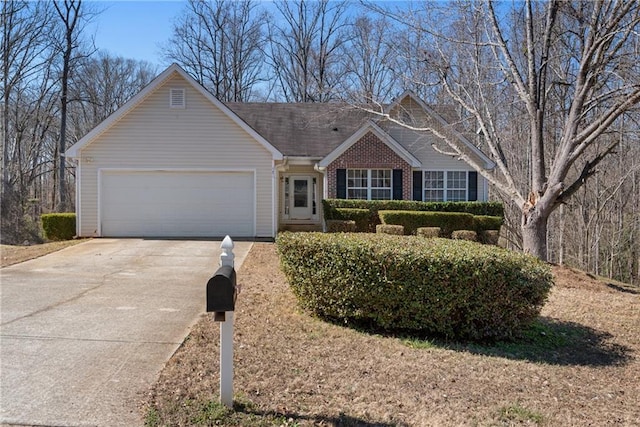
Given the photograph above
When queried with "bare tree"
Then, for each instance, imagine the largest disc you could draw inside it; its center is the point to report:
(102, 84)
(367, 58)
(515, 58)
(220, 43)
(71, 14)
(27, 94)
(304, 49)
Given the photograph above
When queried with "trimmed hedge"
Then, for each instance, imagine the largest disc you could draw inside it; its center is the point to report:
(340, 226)
(359, 216)
(428, 232)
(469, 235)
(397, 230)
(454, 289)
(486, 222)
(490, 237)
(412, 220)
(59, 226)
(330, 207)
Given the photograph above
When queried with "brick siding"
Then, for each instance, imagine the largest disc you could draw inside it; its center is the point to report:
(369, 152)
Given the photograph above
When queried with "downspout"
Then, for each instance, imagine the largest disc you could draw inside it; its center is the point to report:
(323, 171)
(274, 198)
(275, 170)
(78, 162)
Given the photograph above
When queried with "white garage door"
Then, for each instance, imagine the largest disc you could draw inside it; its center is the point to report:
(177, 204)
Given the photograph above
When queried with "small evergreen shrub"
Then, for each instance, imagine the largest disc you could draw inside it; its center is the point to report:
(360, 216)
(488, 228)
(486, 222)
(428, 231)
(396, 230)
(59, 226)
(341, 226)
(449, 288)
(469, 235)
(412, 220)
(490, 237)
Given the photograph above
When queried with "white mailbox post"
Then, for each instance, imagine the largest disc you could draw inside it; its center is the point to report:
(226, 335)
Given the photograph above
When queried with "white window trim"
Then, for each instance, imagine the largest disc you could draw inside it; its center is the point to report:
(445, 188)
(369, 180)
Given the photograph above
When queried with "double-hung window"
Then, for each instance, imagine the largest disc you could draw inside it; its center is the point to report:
(369, 184)
(445, 186)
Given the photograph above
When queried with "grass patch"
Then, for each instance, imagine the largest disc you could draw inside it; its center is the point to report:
(518, 413)
(417, 343)
(14, 254)
(153, 418)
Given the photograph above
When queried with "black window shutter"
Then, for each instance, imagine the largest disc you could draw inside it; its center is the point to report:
(472, 195)
(341, 183)
(417, 185)
(397, 184)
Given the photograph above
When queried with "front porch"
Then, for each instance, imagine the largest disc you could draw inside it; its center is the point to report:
(300, 192)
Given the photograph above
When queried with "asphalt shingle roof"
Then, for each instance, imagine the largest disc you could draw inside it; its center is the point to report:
(302, 129)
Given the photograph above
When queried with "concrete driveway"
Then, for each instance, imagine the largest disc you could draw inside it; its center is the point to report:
(85, 331)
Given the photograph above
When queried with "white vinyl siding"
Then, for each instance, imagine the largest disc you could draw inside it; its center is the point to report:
(420, 145)
(177, 98)
(369, 184)
(153, 136)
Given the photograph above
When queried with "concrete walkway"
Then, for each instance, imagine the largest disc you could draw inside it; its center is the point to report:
(85, 331)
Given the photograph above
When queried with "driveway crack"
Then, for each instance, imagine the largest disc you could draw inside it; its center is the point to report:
(59, 303)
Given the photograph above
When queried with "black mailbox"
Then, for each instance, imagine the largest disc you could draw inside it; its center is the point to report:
(221, 291)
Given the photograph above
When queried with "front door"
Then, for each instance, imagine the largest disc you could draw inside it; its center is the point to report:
(301, 202)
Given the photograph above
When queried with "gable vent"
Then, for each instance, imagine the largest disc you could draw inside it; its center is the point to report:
(176, 98)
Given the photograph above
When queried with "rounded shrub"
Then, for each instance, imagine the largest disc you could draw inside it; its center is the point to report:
(397, 230)
(454, 289)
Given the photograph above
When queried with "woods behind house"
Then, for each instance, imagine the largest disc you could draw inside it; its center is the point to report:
(550, 89)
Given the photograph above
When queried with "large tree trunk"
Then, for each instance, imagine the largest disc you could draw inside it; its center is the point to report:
(534, 228)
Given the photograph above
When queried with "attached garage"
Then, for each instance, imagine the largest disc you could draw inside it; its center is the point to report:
(178, 203)
(175, 162)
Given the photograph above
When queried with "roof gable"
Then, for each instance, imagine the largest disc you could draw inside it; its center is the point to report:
(440, 120)
(370, 126)
(110, 121)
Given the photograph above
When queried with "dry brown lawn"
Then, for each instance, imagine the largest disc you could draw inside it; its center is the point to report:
(12, 254)
(578, 366)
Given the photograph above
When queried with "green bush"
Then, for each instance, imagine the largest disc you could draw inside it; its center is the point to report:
(59, 226)
(486, 222)
(340, 226)
(330, 207)
(454, 289)
(397, 230)
(469, 235)
(428, 231)
(490, 237)
(412, 220)
(359, 216)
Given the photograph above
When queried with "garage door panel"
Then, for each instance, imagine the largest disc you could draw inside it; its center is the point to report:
(181, 204)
